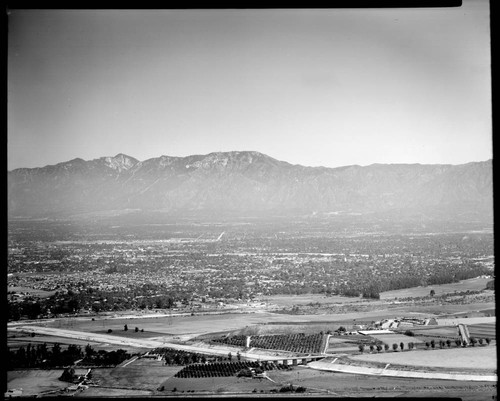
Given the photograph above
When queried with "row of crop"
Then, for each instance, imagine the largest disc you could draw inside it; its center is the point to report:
(298, 342)
(224, 369)
(237, 340)
(289, 342)
(178, 357)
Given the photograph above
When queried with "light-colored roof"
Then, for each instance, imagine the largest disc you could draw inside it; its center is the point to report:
(370, 332)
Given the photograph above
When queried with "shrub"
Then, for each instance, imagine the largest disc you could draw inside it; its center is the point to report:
(401, 345)
(448, 343)
(394, 347)
(110, 331)
(386, 347)
(488, 340)
(409, 333)
(361, 347)
(480, 341)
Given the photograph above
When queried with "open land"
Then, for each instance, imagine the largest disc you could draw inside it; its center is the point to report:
(88, 284)
(476, 358)
(473, 284)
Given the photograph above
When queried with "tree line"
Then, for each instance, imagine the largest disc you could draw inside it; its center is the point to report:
(43, 356)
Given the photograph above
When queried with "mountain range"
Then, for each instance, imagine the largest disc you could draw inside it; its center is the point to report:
(246, 182)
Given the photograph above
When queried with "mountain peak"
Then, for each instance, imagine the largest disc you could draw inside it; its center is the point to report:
(120, 162)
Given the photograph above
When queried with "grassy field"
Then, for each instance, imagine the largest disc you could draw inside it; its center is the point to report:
(169, 326)
(141, 374)
(38, 381)
(202, 324)
(120, 382)
(473, 284)
(22, 341)
(346, 385)
(471, 358)
(442, 309)
(305, 299)
(483, 330)
(216, 385)
(443, 331)
(100, 392)
(390, 339)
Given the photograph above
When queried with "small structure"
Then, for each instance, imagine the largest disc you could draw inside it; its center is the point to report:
(463, 331)
(15, 392)
(370, 332)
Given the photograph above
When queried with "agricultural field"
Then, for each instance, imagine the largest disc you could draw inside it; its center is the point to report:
(473, 358)
(169, 326)
(217, 385)
(443, 309)
(350, 385)
(482, 330)
(305, 299)
(299, 342)
(395, 338)
(223, 369)
(473, 284)
(16, 341)
(205, 324)
(343, 344)
(140, 374)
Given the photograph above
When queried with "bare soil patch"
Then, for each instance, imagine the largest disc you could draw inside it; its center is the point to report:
(37, 381)
(473, 284)
(290, 300)
(216, 385)
(345, 384)
(142, 374)
(473, 358)
(395, 339)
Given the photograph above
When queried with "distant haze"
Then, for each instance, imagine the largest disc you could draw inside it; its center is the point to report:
(312, 87)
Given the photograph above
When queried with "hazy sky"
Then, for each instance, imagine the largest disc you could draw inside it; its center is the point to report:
(313, 87)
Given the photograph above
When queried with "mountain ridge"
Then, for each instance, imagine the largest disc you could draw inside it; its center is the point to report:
(243, 181)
